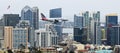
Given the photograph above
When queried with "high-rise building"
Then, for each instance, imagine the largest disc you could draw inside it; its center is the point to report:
(8, 37)
(78, 30)
(27, 14)
(20, 38)
(91, 27)
(10, 19)
(111, 20)
(95, 33)
(95, 29)
(35, 17)
(57, 13)
(86, 25)
(32, 15)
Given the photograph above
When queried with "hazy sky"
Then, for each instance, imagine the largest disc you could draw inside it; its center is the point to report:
(69, 7)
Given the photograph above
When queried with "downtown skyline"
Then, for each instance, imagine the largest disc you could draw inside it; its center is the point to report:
(69, 7)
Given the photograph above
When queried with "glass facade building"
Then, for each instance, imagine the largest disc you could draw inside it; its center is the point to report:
(78, 30)
(97, 28)
(111, 20)
(86, 25)
(35, 17)
(114, 35)
(55, 13)
(10, 19)
(27, 14)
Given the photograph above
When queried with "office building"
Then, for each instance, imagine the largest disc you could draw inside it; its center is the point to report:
(8, 37)
(10, 19)
(26, 24)
(95, 29)
(35, 17)
(78, 28)
(27, 14)
(20, 37)
(86, 25)
(57, 13)
(111, 20)
(31, 14)
(114, 35)
(47, 37)
(96, 16)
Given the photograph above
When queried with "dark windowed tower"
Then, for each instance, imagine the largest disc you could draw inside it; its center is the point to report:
(111, 20)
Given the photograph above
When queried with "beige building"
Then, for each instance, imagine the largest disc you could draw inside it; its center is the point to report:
(8, 37)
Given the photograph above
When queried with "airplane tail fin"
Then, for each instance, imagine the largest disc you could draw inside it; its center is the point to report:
(42, 15)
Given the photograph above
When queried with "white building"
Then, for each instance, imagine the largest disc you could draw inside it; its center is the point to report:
(46, 37)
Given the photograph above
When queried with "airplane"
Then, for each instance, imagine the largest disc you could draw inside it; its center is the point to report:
(52, 20)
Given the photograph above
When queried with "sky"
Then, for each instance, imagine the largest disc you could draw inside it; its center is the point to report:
(69, 7)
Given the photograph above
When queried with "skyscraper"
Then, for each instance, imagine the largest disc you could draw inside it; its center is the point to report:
(27, 14)
(78, 30)
(86, 25)
(95, 32)
(35, 17)
(32, 15)
(111, 20)
(57, 13)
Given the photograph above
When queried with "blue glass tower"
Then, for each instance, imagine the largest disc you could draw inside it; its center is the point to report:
(78, 30)
(56, 13)
(26, 14)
